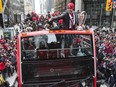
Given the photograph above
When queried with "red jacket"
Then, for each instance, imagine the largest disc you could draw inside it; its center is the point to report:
(2, 66)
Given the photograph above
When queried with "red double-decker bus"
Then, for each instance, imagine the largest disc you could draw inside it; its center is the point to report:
(56, 58)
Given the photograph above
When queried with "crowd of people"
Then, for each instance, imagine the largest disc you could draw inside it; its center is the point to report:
(105, 43)
(106, 54)
(69, 19)
(7, 57)
(8, 54)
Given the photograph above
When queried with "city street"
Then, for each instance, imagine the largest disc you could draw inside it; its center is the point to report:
(55, 40)
(12, 80)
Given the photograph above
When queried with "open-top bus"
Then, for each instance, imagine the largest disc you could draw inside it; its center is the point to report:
(56, 58)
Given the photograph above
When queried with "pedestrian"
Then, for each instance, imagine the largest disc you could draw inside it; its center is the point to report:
(13, 62)
(9, 68)
(100, 56)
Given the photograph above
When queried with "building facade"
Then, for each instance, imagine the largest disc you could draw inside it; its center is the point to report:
(49, 5)
(29, 6)
(96, 13)
(13, 11)
(44, 6)
(17, 10)
(60, 5)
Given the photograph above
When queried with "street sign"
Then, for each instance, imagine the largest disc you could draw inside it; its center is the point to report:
(109, 5)
(0, 6)
(7, 34)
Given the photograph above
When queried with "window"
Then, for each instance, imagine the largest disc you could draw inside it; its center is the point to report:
(56, 46)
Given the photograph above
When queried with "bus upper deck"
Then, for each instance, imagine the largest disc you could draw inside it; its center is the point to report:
(47, 57)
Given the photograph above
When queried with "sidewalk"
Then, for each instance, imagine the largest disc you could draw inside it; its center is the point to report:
(105, 85)
(12, 79)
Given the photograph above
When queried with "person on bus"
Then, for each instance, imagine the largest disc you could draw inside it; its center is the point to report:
(69, 17)
(75, 46)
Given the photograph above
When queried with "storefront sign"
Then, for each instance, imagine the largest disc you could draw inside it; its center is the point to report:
(7, 35)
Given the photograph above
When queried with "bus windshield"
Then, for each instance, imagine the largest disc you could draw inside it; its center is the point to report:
(52, 46)
(53, 57)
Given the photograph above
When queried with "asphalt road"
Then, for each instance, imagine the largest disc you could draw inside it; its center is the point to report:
(12, 79)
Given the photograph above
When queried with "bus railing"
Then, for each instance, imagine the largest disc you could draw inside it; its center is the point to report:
(57, 53)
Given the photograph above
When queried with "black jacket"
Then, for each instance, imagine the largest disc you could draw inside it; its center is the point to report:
(114, 70)
(66, 19)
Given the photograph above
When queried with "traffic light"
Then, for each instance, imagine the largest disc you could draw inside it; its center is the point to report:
(109, 5)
